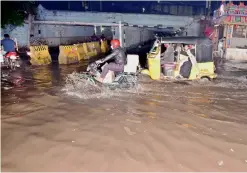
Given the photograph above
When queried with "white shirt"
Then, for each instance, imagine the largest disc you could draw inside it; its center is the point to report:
(220, 45)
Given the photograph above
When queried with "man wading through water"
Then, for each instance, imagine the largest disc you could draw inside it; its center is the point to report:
(119, 56)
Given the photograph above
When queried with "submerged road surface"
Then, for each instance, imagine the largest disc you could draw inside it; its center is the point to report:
(159, 126)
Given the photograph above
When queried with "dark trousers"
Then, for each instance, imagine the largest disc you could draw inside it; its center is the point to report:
(113, 67)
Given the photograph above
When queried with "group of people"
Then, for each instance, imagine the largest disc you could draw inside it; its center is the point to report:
(171, 52)
(183, 52)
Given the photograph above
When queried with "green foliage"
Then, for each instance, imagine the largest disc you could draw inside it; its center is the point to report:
(14, 12)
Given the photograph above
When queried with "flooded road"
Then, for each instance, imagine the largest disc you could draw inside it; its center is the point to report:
(158, 126)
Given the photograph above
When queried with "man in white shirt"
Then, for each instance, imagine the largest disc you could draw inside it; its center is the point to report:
(221, 47)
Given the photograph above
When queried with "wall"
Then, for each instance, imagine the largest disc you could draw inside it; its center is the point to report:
(55, 35)
(135, 36)
(238, 42)
(194, 29)
(236, 54)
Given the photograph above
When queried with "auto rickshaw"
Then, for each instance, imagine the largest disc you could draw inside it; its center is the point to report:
(191, 58)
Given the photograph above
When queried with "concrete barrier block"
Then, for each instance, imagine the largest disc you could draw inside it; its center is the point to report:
(68, 54)
(236, 54)
(81, 52)
(97, 47)
(104, 47)
(40, 55)
(91, 51)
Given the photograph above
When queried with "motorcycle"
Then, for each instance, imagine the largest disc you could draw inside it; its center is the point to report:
(122, 80)
(11, 60)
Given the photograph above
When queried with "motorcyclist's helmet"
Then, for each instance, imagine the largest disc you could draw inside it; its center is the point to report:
(115, 43)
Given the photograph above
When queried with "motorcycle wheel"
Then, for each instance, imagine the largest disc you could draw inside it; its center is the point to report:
(12, 65)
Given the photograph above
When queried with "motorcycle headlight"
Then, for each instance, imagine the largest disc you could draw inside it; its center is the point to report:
(28, 53)
(13, 57)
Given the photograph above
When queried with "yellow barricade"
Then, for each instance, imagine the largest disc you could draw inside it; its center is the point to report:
(68, 54)
(82, 53)
(154, 68)
(97, 47)
(104, 47)
(89, 48)
(40, 55)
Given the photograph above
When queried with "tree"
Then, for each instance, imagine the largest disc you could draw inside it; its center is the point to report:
(15, 12)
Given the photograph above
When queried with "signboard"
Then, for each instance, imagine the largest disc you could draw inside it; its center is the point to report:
(236, 9)
(238, 12)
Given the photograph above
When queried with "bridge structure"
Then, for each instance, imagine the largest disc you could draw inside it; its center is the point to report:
(60, 27)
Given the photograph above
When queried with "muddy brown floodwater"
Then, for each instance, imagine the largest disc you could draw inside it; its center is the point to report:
(158, 126)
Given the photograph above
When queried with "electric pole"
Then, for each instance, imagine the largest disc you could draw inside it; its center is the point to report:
(100, 5)
(208, 7)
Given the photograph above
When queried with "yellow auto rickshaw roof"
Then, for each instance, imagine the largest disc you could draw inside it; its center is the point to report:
(183, 40)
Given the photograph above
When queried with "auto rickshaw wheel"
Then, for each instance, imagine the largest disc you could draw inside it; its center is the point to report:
(205, 79)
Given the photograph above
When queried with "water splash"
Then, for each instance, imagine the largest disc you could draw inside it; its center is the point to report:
(82, 88)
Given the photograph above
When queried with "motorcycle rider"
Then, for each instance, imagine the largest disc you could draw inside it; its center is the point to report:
(8, 44)
(120, 59)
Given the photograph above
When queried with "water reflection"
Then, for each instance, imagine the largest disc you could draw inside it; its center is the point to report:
(56, 74)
